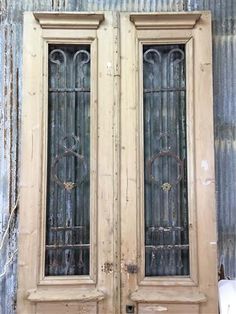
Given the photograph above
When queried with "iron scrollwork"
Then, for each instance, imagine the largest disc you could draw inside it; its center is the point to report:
(68, 152)
(54, 56)
(80, 58)
(81, 65)
(165, 148)
(165, 186)
(68, 155)
(153, 56)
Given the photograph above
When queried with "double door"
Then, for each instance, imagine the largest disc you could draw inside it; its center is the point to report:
(124, 199)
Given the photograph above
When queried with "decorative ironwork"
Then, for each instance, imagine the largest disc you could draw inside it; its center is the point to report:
(68, 193)
(150, 52)
(54, 56)
(69, 152)
(165, 186)
(168, 247)
(153, 56)
(169, 137)
(166, 212)
(165, 229)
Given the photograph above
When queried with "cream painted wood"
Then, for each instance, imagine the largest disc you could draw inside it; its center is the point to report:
(69, 20)
(201, 286)
(100, 286)
(167, 20)
(116, 154)
(204, 160)
(129, 164)
(67, 308)
(168, 308)
(42, 295)
(107, 193)
(117, 218)
(165, 295)
(30, 186)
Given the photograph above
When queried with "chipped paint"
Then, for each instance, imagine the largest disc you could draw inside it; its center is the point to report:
(207, 181)
(109, 68)
(204, 165)
(161, 309)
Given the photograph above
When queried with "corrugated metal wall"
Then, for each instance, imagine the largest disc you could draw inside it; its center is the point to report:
(224, 48)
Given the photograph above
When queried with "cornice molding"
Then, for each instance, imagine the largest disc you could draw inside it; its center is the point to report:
(167, 20)
(69, 20)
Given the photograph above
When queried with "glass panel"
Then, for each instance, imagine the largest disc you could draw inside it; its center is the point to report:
(68, 221)
(165, 160)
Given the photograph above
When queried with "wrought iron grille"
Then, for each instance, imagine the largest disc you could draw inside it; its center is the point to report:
(68, 186)
(165, 160)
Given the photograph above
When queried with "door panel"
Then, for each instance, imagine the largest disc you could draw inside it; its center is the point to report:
(162, 196)
(67, 308)
(168, 308)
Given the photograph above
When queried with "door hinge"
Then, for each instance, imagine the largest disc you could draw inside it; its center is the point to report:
(132, 268)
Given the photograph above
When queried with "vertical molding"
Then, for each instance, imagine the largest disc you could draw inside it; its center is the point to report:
(116, 158)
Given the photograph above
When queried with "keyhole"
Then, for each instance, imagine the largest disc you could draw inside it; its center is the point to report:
(129, 308)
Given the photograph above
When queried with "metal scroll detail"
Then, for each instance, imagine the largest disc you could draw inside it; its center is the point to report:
(166, 186)
(80, 58)
(165, 155)
(67, 247)
(69, 151)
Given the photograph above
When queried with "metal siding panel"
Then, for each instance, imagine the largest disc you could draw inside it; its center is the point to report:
(224, 49)
(224, 84)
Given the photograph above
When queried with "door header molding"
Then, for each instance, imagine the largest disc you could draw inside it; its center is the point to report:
(167, 20)
(70, 20)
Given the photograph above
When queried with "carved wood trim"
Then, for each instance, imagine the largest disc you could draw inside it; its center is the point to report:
(70, 20)
(165, 20)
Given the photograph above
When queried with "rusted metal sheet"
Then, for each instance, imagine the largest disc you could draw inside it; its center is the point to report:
(224, 75)
(224, 71)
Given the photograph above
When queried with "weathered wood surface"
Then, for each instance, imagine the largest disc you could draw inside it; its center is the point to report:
(224, 49)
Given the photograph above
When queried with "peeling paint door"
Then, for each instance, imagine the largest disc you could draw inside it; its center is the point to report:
(168, 230)
(68, 250)
(118, 215)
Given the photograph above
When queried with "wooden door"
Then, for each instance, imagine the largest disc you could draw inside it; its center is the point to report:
(68, 255)
(118, 214)
(168, 229)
